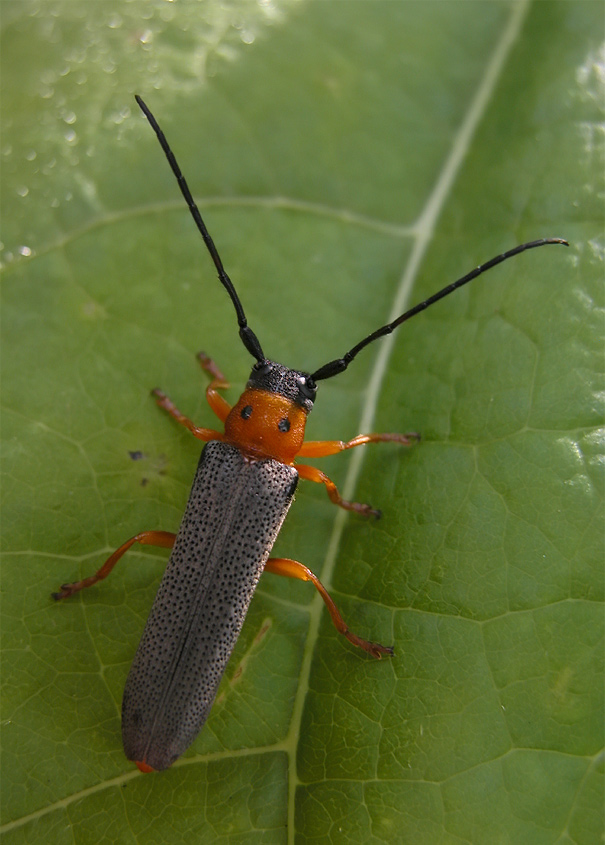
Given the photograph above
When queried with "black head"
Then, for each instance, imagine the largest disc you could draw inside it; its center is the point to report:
(275, 378)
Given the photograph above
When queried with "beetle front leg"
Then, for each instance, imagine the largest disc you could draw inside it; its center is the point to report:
(219, 405)
(323, 448)
(294, 569)
(164, 539)
(168, 405)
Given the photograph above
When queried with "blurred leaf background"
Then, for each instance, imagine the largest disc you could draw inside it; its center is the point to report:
(350, 158)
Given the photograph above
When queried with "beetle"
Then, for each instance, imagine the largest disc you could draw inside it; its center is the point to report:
(242, 491)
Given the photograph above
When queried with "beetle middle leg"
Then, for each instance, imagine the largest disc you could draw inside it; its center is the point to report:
(314, 474)
(163, 539)
(294, 569)
(322, 448)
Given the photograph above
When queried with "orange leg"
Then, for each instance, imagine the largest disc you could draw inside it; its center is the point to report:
(294, 569)
(165, 539)
(166, 404)
(322, 448)
(219, 405)
(313, 474)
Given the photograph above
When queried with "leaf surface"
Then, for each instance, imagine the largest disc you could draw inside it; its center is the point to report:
(349, 160)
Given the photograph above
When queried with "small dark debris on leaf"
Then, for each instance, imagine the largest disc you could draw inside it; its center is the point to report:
(263, 631)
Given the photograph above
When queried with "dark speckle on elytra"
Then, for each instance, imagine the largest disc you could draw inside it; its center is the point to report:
(136, 456)
(144, 482)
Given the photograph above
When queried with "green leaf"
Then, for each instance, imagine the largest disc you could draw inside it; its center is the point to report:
(350, 159)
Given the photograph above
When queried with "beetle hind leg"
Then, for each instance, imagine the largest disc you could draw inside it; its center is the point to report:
(294, 569)
(164, 539)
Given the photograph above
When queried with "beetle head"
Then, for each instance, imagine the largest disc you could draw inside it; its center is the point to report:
(275, 378)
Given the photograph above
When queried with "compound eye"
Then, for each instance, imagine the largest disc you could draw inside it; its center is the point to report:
(284, 425)
(246, 412)
(307, 387)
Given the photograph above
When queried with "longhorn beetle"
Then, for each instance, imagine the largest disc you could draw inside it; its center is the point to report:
(243, 488)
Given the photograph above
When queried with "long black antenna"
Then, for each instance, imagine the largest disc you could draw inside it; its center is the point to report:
(341, 364)
(248, 337)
